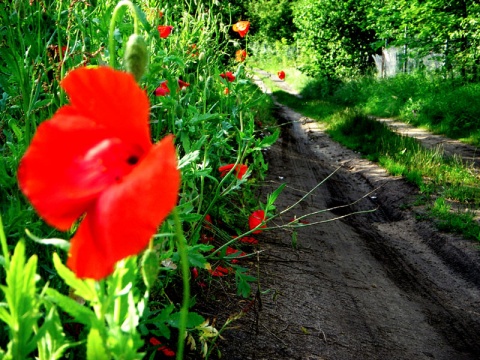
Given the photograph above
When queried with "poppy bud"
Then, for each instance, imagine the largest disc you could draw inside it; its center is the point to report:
(136, 56)
(150, 267)
(201, 56)
(209, 82)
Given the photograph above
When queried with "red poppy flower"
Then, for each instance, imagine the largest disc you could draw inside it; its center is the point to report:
(163, 89)
(226, 91)
(241, 27)
(94, 160)
(228, 75)
(240, 55)
(165, 30)
(255, 219)
(239, 169)
(281, 75)
(182, 84)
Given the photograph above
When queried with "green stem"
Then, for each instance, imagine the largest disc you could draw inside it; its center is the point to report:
(182, 250)
(3, 240)
(111, 40)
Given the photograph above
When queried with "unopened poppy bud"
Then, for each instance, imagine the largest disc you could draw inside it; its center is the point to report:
(209, 82)
(150, 267)
(136, 56)
(194, 272)
(201, 55)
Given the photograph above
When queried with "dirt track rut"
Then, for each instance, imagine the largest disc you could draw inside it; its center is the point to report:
(377, 285)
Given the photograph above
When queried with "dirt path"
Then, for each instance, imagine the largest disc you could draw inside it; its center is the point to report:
(378, 285)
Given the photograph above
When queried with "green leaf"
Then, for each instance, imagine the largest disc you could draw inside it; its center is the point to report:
(4, 315)
(83, 288)
(95, 347)
(80, 313)
(150, 267)
(193, 320)
(273, 197)
(160, 322)
(267, 140)
(243, 282)
(188, 158)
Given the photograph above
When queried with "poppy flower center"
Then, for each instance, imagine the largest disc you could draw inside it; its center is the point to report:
(132, 160)
(113, 158)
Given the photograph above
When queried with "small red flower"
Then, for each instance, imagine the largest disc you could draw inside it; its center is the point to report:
(226, 91)
(281, 75)
(228, 75)
(248, 240)
(163, 89)
(241, 27)
(94, 160)
(205, 239)
(240, 170)
(219, 271)
(182, 84)
(165, 30)
(255, 219)
(163, 348)
(232, 251)
(191, 50)
(240, 55)
(208, 222)
(54, 51)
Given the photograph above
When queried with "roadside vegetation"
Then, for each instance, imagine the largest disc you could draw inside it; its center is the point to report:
(125, 198)
(448, 186)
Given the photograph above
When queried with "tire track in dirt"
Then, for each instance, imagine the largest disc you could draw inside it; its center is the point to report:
(378, 285)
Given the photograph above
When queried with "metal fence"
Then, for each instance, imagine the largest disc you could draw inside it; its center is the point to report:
(395, 60)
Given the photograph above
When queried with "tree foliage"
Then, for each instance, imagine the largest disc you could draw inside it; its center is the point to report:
(337, 38)
(334, 36)
(273, 19)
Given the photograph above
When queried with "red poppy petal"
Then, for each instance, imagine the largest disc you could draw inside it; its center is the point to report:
(113, 99)
(154, 341)
(127, 214)
(225, 169)
(255, 219)
(52, 173)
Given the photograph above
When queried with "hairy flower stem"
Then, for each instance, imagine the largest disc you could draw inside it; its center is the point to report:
(182, 250)
(111, 40)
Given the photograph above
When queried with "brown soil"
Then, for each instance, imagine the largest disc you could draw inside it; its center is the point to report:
(375, 285)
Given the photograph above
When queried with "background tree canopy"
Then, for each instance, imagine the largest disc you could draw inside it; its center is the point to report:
(337, 38)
